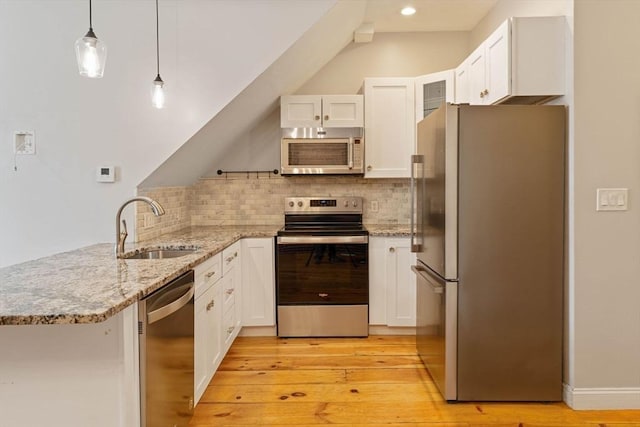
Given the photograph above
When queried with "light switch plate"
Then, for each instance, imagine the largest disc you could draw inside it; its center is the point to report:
(612, 199)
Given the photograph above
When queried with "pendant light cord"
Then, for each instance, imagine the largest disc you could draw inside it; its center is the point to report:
(157, 39)
(90, 21)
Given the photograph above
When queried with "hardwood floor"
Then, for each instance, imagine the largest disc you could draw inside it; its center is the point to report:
(375, 381)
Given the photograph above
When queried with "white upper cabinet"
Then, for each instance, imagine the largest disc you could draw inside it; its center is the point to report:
(312, 111)
(389, 126)
(462, 83)
(522, 61)
(432, 90)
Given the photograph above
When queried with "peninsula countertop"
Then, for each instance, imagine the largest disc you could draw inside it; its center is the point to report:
(89, 285)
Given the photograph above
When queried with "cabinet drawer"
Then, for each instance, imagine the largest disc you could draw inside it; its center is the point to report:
(208, 273)
(228, 295)
(230, 258)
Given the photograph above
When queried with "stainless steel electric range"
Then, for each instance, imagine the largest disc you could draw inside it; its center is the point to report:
(322, 268)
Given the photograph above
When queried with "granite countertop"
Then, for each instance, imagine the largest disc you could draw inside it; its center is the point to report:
(89, 285)
(389, 230)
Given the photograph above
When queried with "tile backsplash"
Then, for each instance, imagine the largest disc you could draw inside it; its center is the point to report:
(241, 199)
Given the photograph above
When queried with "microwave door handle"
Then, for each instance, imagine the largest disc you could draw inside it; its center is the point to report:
(350, 153)
(416, 214)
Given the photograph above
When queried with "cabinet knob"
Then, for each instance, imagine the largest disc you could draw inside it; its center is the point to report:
(317, 117)
(230, 329)
(392, 249)
(369, 168)
(326, 117)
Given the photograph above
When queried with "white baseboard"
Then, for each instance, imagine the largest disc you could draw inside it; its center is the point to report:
(391, 330)
(602, 398)
(258, 331)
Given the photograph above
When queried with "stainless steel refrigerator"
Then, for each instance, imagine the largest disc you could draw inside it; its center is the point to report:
(488, 191)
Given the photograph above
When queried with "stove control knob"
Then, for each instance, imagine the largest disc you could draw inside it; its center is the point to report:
(355, 204)
(291, 204)
(299, 204)
(346, 203)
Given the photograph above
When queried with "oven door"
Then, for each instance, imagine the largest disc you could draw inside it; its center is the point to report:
(322, 270)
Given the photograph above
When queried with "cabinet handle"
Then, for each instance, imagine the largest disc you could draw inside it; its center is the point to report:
(229, 291)
(210, 275)
(232, 257)
(323, 295)
(211, 305)
(326, 117)
(392, 249)
(369, 168)
(481, 94)
(317, 117)
(230, 329)
(486, 92)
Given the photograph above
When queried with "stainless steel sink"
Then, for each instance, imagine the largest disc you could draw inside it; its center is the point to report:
(159, 253)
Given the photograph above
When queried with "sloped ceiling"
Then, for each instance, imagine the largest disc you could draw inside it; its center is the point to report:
(299, 63)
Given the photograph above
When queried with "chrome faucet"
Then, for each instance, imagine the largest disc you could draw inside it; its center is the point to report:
(121, 236)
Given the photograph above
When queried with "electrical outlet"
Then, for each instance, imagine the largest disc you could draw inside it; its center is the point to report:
(374, 206)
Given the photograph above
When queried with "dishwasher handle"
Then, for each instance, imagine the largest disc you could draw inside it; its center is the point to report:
(422, 272)
(172, 307)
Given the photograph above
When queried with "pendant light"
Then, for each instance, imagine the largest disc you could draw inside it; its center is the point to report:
(91, 53)
(157, 88)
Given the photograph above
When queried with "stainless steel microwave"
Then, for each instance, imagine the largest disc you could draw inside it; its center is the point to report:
(322, 152)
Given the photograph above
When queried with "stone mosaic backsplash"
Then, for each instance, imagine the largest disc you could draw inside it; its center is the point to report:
(239, 199)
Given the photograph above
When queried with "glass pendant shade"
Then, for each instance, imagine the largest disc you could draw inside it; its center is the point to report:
(158, 95)
(91, 55)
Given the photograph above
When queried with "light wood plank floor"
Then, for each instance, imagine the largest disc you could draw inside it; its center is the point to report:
(375, 381)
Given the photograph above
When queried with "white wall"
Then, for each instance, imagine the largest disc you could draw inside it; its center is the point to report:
(210, 51)
(606, 360)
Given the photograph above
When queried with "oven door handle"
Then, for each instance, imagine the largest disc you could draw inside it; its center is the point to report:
(301, 240)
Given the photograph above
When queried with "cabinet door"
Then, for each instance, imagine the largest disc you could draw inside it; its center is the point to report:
(477, 85)
(498, 64)
(377, 281)
(432, 90)
(300, 111)
(258, 283)
(462, 83)
(208, 344)
(401, 283)
(342, 111)
(389, 121)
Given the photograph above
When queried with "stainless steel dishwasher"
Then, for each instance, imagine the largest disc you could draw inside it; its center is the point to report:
(165, 328)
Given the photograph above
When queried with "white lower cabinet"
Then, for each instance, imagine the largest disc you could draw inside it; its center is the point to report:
(208, 343)
(208, 317)
(392, 284)
(231, 294)
(258, 282)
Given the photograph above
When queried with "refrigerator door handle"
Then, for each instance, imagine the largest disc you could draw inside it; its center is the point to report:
(422, 272)
(415, 218)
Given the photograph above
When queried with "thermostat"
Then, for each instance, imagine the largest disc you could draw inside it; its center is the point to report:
(106, 174)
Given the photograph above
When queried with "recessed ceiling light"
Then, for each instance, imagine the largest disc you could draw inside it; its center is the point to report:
(408, 11)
